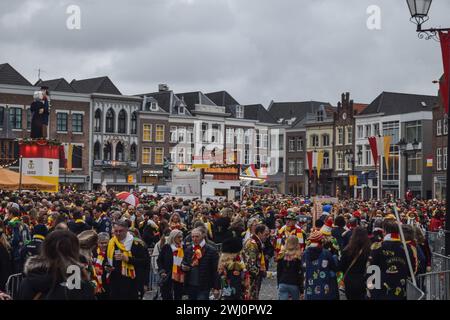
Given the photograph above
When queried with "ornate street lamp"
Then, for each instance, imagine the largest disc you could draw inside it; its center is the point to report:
(419, 14)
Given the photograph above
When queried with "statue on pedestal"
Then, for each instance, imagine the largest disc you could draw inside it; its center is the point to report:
(40, 110)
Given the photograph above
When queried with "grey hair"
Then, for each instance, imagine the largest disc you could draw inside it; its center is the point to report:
(103, 236)
(173, 234)
(199, 230)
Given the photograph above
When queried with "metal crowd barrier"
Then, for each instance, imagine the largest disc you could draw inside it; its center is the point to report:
(13, 285)
(440, 262)
(414, 292)
(436, 240)
(435, 285)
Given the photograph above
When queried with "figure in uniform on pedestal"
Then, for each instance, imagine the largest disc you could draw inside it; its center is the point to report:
(40, 111)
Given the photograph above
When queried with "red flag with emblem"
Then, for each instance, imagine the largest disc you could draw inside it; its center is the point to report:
(445, 82)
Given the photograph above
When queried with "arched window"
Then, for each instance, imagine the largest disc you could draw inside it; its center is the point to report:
(120, 154)
(314, 140)
(97, 151)
(326, 160)
(122, 121)
(134, 123)
(98, 120)
(325, 140)
(133, 152)
(110, 120)
(107, 152)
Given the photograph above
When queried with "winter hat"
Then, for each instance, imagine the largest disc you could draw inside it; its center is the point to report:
(40, 229)
(232, 245)
(390, 217)
(327, 227)
(315, 237)
(291, 216)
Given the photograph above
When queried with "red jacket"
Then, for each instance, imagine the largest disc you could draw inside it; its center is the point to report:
(436, 224)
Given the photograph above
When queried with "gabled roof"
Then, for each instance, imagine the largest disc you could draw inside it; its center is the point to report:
(391, 103)
(9, 75)
(163, 98)
(193, 98)
(95, 85)
(258, 112)
(298, 110)
(222, 98)
(56, 85)
(359, 107)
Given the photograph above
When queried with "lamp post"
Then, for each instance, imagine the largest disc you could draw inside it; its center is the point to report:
(350, 158)
(419, 14)
(403, 145)
(360, 157)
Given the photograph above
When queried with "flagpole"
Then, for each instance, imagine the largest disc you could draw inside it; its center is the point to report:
(405, 248)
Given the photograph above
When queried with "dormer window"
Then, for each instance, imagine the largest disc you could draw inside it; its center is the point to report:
(320, 115)
(153, 106)
(239, 112)
(181, 110)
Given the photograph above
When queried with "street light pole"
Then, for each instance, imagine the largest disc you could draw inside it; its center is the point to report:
(419, 14)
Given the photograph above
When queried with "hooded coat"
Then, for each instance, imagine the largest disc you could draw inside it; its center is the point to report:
(40, 284)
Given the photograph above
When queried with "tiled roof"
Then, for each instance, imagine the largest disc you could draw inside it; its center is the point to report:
(95, 85)
(9, 75)
(391, 103)
(56, 85)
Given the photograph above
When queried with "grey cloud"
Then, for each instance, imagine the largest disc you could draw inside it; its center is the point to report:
(258, 50)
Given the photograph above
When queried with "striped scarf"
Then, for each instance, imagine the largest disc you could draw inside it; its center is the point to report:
(197, 254)
(178, 254)
(98, 266)
(127, 268)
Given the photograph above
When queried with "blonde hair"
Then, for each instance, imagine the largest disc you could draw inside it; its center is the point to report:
(291, 247)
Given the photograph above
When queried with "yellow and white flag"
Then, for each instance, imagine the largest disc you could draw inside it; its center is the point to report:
(319, 162)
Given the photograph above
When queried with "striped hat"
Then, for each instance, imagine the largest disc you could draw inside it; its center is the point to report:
(315, 236)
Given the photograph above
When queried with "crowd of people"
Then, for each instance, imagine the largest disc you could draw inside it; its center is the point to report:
(211, 249)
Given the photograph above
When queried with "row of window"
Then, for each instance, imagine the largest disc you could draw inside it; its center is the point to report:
(441, 158)
(340, 134)
(441, 127)
(110, 122)
(341, 159)
(296, 167)
(316, 142)
(368, 130)
(147, 156)
(119, 152)
(295, 145)
(159, 132)
(62, 122)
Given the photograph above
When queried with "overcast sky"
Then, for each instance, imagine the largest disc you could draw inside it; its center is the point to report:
(257, 50)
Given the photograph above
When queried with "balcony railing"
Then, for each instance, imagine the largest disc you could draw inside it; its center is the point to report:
(114, 163)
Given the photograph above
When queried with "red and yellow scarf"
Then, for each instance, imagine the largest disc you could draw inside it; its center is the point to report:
(178, 254)
(198, 253)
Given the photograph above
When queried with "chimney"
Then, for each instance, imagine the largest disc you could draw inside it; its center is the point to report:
(163, 87)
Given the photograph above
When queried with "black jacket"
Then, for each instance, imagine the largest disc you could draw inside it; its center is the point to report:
(5, 266)
(165, 260)
(79, 227)
(290, 272)
(209, 277)
(39, 284)
(124, 288)
(220, 227)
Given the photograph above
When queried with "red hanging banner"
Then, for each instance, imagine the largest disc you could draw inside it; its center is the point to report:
(309, 155)
(373, 147)
(444, 84)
